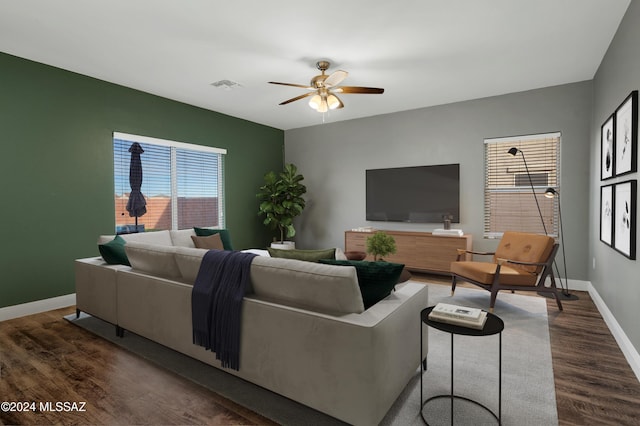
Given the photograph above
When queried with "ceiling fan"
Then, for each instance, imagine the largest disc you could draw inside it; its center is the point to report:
(324, 87)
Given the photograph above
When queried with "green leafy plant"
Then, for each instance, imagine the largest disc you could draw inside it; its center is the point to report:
(381, 244)
(281, 200)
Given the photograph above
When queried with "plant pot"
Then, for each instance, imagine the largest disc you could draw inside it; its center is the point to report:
(284, 245)
(355, 255)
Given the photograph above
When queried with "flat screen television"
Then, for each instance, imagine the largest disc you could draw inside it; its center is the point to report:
(420, 194)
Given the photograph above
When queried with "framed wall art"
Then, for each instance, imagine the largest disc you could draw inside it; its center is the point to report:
(626, 135)
(606, 214)
(607, 148)
(624, 217)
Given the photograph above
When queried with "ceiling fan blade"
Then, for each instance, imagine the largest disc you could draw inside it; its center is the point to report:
(293, 85)
(297, 98)
(335, 78)
(355, 89)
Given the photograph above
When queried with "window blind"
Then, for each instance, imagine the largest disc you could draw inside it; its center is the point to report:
(509, 201)
(183, 184)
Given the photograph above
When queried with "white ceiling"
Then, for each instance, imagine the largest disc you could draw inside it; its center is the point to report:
(422, 52)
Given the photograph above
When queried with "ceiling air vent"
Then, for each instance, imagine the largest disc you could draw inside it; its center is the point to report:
(226, 84)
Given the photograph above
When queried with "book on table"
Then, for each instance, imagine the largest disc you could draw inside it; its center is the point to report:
(455, 311)
(459, 315)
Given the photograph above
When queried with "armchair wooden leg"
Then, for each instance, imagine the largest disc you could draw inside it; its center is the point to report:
(555, 291)
(555, 294)
(453, 284)
(494, 295)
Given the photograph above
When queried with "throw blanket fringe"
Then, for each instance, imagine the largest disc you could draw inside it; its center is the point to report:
(216, 303)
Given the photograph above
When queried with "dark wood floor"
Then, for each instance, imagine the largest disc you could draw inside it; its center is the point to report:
(594, 382)
(43, 358)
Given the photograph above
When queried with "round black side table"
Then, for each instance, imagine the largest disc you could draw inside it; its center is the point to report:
(494, 325)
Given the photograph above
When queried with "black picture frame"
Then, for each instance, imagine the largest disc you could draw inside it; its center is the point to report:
(606, 214)
(624, 216)
(626, 136)
(607, 148)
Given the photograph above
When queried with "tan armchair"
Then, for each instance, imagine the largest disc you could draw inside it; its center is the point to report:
(522, 261)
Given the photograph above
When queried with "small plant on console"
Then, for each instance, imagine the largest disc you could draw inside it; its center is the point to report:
(381, 244)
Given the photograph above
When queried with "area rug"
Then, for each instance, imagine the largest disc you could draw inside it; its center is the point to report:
(528, 391)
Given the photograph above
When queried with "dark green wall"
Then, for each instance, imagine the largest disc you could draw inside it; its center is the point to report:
(56, 168)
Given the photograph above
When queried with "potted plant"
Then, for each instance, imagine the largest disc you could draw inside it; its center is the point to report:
(380, 244)
(281, 200)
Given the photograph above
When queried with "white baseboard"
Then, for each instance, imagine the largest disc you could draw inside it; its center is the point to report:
(629, 351)
(578, 285)
(30, 308)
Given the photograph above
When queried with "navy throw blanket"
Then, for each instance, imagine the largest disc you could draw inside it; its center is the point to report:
(216, 303)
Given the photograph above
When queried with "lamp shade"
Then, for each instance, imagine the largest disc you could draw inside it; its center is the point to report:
(323, 105)
(550, 193)
(333, 102)
(315, 102)
(513, 151)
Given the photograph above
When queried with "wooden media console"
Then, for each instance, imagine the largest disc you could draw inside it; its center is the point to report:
(418, 251)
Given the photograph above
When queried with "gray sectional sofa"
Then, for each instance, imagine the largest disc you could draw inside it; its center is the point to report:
(305, 333)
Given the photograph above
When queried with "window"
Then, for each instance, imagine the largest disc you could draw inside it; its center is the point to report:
(182, 184)
(509, 203)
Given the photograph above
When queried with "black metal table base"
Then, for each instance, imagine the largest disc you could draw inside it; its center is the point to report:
(454, 397)
(494, 325)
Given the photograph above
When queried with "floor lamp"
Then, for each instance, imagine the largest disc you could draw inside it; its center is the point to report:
(564, 294)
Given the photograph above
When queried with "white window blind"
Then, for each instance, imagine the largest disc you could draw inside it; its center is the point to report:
(509, 202)
(183, 184)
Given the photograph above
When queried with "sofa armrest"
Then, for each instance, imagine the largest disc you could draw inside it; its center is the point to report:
(365, 359)
(96, 287)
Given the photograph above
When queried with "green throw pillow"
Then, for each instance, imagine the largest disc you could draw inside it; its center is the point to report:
(376, 279)
(308, 255)
(113, 252)
(224, 235)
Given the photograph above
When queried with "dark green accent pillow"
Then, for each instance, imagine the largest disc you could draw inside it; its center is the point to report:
(376, 279)
(113, 252)
(224, 235)
(307, 255)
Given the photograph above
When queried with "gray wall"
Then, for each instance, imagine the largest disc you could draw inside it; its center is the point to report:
(333, 158)
(615, 277)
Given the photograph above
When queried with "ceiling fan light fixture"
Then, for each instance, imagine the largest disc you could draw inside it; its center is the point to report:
(333, 102)
(315, 102)
(324, 107)
(322, 89)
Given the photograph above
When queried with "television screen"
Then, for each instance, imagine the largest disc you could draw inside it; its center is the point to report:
(421, 194)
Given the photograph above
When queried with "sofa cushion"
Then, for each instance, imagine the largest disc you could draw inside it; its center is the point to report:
(307, 255)
(212, 242)
(376, 279)
(152, 237)
(188, 260)
(485, 272)
(524, 247)
(308, 285)
(153, 259)
(182, 237)
(113, 251)
(224, 235)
